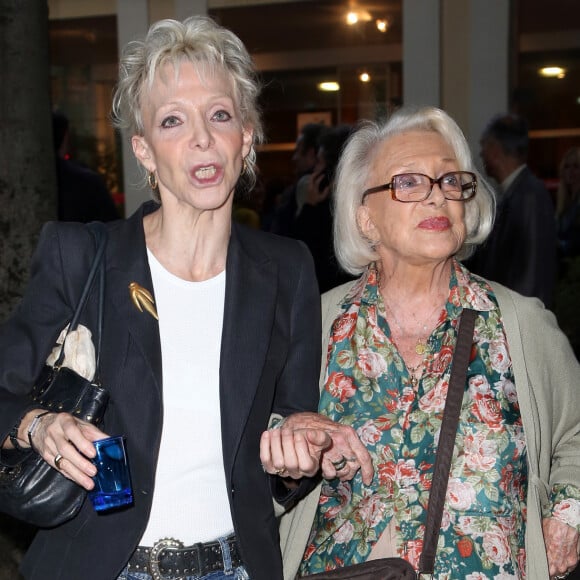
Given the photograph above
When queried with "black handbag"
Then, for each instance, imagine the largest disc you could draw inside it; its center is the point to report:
(397, 568)
(30, 489)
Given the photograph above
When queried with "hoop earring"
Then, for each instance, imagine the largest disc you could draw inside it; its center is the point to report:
(152, 180)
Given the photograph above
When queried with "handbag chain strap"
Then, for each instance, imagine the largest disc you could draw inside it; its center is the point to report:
(99, 232)
(447, 440)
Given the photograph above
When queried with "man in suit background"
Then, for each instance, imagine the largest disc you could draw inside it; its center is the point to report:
(521, 250)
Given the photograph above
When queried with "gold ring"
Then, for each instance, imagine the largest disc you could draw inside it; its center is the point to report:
(340, 464)
(57, 459)
(280, 471)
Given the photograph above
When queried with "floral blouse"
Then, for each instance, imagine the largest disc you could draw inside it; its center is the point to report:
(369, 387)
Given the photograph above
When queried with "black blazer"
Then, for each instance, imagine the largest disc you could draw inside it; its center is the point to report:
(270, 359)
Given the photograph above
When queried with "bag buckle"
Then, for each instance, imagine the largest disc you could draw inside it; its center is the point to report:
(161, 546)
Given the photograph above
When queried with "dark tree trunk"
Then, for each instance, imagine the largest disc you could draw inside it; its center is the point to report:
(28, 195)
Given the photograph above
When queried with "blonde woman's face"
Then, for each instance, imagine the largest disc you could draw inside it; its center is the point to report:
(193, 138)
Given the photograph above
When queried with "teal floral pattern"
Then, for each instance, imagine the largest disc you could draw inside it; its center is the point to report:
(369, 387)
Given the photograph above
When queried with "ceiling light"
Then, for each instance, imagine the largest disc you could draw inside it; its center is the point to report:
(553, 72)
(329, 86)
(351, 18)
(382, 24)
(364, 77)
(356, 16)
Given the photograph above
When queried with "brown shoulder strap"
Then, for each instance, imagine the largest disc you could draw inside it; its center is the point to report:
(447, 439)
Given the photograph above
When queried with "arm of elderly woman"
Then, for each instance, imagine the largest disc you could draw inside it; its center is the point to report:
(547, 375)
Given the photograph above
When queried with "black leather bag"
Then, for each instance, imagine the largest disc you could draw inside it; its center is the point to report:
(382, 569)
(397, 568)
(30, 489)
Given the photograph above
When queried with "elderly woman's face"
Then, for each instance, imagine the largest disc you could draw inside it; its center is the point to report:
(193, 137)
(417, 232)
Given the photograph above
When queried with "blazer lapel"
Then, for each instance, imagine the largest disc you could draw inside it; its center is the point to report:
(250, 304)
(127, 262)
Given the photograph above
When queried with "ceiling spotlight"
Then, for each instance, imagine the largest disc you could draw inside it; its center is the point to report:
(553, 72)
(364, 77)
(329, 86)
(356, 16)
(351, 18)
(382, 24)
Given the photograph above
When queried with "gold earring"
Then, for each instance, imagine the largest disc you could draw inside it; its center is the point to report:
(152, 179)
(244, 166)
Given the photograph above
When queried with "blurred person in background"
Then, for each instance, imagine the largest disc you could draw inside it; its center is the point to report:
(313, 222)
(568, 204)
(521, 250)
(82, 193)
(292, 198)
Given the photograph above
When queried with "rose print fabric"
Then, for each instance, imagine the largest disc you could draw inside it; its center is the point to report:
(369, 387)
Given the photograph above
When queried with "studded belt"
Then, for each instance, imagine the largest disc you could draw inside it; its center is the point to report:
(170, 559)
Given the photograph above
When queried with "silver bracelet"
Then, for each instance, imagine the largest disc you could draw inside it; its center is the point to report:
(33, 426)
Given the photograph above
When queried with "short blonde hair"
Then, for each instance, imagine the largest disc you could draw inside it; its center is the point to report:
(353, 250)
(210, 47)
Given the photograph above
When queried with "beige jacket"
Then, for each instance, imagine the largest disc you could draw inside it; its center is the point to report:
(548, 385)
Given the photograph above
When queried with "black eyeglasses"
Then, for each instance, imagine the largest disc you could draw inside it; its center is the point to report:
(413, 187)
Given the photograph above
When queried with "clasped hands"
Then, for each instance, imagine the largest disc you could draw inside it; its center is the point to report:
(308, 442)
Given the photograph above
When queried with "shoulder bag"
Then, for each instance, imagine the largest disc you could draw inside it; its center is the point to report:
(397, 568)
(30, 489)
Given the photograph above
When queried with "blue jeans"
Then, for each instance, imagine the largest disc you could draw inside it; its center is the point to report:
(234, 574)
(228, 573)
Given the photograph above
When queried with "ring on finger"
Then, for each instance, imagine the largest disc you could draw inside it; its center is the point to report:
(351, 459)
(340, 464)
(562, 576)
(57, 459)
(280, 471)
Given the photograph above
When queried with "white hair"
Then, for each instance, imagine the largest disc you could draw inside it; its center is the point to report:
(353, 250)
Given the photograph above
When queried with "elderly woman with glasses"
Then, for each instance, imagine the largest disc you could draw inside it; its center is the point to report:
(409, 206)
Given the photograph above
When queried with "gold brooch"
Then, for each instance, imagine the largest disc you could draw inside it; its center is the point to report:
(142, 299)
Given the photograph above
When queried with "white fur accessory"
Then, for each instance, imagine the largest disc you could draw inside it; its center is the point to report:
(79, 352)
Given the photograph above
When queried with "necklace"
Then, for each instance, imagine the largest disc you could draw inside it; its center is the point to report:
(421, 345)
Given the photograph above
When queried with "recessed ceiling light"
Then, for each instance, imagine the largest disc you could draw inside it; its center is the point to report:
(364, 77)
(351, 18)
(382, 24)
(329, 86)
(553, 72)
(355, 16)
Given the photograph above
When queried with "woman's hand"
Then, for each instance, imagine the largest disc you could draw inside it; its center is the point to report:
(345, 455)
(561, 547)
(61, 434)
(293, 453)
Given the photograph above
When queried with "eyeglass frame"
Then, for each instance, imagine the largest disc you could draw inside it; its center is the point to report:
(390, 186)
